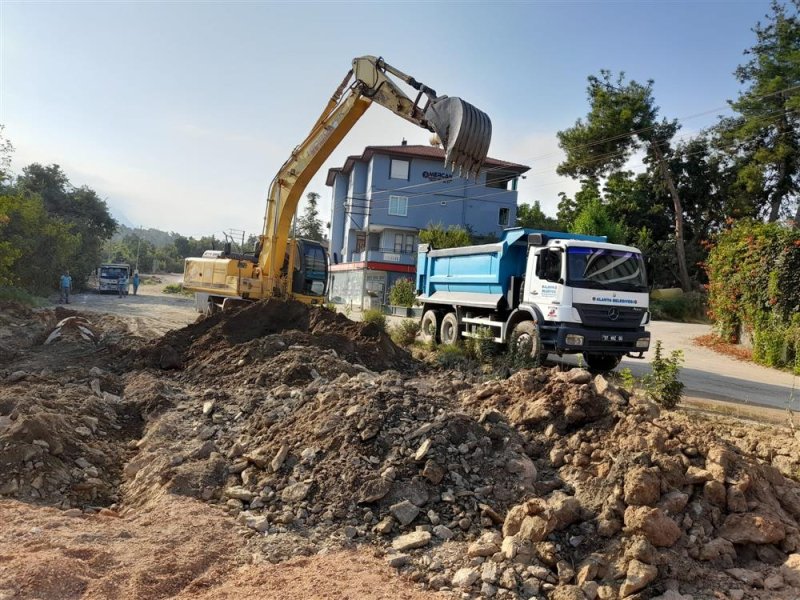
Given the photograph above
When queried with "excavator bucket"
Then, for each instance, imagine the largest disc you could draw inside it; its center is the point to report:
(465, 132)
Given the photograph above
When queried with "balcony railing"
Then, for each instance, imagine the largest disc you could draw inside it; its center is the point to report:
(388, 255)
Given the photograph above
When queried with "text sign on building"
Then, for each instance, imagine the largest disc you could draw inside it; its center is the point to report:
(391, 257)
(437, 176)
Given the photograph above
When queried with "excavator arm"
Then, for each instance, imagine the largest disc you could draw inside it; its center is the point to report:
(464, 130)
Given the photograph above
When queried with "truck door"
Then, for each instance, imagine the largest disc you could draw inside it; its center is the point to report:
(544, 279)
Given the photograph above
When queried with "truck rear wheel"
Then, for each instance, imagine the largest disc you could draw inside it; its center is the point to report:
(429, 327)
(525, 337)
(449, 332)
(602, 363)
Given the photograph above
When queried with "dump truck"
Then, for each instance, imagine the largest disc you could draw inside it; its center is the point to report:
(109, 274)
(281, 266)
(545, 291)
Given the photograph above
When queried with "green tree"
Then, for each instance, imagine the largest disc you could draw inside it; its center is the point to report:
(766, 132)
(6, 150)
(531, 216)
(569, 208)
(595, 220)
(309, 225)
(80, 209)
(439, 237)
(623, 118)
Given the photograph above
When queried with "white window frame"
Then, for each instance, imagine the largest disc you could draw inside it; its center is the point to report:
(402, 171)
(409, 247)
(398, 242)
(398, 206)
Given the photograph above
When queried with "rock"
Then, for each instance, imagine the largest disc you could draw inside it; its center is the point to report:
(374, 489)
(715, 493)
(752, 528)
(384, 527)
(398, 560)
(443, 532)
(423, 450)
(514, 518)
(567, 592)
(565, 510)
(790, 570)
(736, 594)
(697, 475)
(404, 512)
(773, 582)
(657, 527)
(489, 572)
(637, 577)
(433, 472)
(409, 541)
(747, 576)
(295, 492)
(674, 502)
(587, 571)
(169, 358)
(522, 466)
(578, 376)
(565, 571)
(239, 493)
(488, 590)
(717, 549)
(673, 595)
(259, 523)
(84, 431)
(508, 579)
(642, 550)
(642, 487)
(486, 546)
(277, 462)
(465, 577)
(536, 528)
(17, 376)
(208, 407)
(589, 589)
(736, 501)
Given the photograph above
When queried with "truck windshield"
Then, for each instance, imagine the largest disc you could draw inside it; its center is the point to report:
(601, 268)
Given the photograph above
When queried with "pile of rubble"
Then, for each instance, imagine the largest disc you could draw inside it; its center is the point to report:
(318, 433)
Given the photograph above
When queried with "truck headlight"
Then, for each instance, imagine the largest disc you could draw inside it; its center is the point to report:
(573, 339)
(643, 343)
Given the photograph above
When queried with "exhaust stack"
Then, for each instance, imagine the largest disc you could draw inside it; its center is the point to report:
(465, 132)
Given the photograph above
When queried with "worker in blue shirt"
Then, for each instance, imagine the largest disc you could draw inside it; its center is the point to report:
(65, 284)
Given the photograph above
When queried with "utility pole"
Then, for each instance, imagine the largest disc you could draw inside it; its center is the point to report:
(138, 245)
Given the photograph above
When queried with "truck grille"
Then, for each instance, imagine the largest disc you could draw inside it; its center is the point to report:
(610, 317)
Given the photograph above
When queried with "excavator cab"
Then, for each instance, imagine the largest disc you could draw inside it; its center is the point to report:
(310, 277)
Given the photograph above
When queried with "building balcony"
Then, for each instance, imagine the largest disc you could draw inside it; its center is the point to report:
(386, 255)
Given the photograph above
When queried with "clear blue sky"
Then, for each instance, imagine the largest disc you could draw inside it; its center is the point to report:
(180, 113)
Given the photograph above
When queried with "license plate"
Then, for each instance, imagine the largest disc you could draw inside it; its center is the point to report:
(611, 338)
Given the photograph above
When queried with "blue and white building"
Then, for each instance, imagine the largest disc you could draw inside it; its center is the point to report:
(383, 198)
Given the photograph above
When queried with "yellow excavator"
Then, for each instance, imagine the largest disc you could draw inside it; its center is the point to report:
(282, 266)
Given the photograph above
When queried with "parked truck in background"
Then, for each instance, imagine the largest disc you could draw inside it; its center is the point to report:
(108, 276)
(546, 291)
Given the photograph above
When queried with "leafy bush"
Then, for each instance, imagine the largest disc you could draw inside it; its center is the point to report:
(375, 316)
(439, 237)
(690, 307)
(482, 347)
(662, 384)
(173, 288)
(405, 333)
(754, 285)
(403, 293)
(12, 294)
(451, 356)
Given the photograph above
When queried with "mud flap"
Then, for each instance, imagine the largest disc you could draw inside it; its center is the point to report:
(465, 132)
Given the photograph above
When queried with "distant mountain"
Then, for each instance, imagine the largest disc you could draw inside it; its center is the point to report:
(155, 236)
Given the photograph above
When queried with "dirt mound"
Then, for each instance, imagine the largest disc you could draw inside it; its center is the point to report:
(360, 343)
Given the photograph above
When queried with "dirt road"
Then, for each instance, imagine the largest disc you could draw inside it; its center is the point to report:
(151, 312)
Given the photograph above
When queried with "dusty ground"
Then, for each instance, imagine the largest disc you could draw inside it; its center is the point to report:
(279, 453)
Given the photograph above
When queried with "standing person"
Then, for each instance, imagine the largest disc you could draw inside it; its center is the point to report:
(65, 284)
(135, 281)
(121, 283)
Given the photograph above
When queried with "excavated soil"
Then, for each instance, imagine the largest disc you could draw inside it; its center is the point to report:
(280, 451)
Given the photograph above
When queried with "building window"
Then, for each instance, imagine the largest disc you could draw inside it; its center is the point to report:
(398, 242)
(503, 217)
(398, 206)
(410, 244)
(398, 169)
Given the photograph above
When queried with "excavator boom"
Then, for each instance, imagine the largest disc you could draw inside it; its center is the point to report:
(465, 133)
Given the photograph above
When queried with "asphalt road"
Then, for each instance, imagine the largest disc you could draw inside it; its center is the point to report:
(709, 375)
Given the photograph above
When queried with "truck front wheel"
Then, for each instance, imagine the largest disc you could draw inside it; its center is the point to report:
(602, 363)
(449, 332)
(525, 338)
(429, 327)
